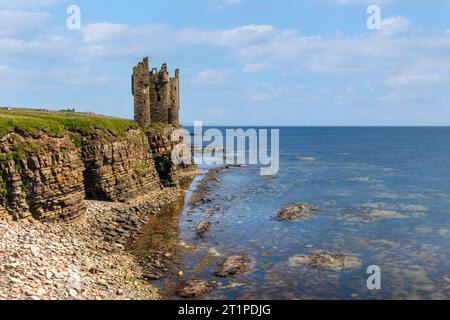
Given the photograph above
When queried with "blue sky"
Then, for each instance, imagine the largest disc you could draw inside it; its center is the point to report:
(243, 62)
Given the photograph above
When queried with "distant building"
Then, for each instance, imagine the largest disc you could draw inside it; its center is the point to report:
(156, 95)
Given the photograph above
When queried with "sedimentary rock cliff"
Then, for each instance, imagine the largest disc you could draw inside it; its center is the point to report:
(47, 177)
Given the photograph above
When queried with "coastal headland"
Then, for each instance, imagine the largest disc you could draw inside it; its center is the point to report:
(74, 191)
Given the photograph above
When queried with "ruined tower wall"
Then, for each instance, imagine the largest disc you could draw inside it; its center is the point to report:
(156, 95)
(154, 111)
(163, 95)
(141, 92)
(175, 100)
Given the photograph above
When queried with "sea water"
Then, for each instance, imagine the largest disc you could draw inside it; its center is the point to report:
(350, 172)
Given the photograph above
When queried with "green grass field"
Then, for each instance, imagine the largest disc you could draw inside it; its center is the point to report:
(59, 122)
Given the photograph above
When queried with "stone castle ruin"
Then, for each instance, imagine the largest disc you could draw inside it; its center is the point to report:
(156, 95)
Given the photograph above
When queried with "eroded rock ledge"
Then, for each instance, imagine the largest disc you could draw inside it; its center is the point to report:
(47, 177)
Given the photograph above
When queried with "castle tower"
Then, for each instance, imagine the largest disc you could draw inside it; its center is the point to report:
(163, 95)
(140, 82)
(156, 95)
(175, 99)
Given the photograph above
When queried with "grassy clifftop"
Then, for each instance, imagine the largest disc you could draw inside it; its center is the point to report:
(60, 122)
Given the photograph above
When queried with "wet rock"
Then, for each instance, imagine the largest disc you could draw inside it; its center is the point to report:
(152, 273)
(296, 212)
(193, 288)
(201, 194)
(235, 265)
(202, 228)
(335, 262)
(209, 213)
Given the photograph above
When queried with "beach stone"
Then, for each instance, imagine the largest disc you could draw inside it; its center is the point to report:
(152, 273)
(73, 293)
(202, 228)
(296, 212)
(119, 292)
(335, 262)
(74, 280)
(235, 265)
(34, 251)
(193, 288)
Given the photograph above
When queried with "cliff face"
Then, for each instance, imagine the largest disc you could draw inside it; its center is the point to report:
(47, 177)
(41, 177)
(119, 170)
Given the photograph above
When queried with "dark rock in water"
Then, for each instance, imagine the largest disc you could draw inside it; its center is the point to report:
(202, 228)
(209, 213)
(235, 265)
(296, 212)
(152, 273)
(193, 288)
(335, 262)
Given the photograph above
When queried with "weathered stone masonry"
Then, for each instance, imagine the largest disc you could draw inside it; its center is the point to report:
(156, 95)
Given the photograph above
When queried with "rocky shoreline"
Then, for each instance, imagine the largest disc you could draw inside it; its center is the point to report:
(87, 259)
(205, 210)
(116, 249)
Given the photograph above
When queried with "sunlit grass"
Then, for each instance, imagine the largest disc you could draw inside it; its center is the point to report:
(59, 122)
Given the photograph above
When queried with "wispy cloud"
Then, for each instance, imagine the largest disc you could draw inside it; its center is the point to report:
(232, 2)
(212, 77)
(27, 3)
(366, 2)
(253, 64)
(17, 22)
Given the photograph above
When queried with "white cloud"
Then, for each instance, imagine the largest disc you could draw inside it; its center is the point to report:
(79, 76)
(16, 79)
(255, 67)
(416, 80)
(266, 92)
(212, 77)
(367, 2)
(395, 25)
(27, 3)
(101, 32)
(397, 62)
(17, 22)
(232, 2)
(227, 38)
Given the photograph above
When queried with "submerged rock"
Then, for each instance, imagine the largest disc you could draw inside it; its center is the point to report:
(335, 262)
(386, 214)
(234, 265)
(202, 228)
(296, 212)
(193, 288)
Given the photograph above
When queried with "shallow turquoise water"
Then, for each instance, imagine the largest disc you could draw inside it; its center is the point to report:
(348, 172)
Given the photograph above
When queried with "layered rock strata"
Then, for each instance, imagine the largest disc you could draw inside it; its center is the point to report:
(47, 178)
